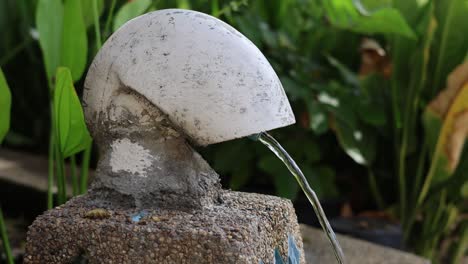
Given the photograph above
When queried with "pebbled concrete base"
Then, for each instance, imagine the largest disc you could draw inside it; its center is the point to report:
(317, 250)
(240, 228)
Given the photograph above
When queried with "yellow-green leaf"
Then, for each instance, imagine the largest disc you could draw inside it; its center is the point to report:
(74, 47)
(450, 110)
(70, 126)
(5, 106)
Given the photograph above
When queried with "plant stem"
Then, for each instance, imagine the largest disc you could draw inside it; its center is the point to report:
(427, 183)
(85, 168)
(97, 30)
(402, 179)
(74, 176)
(461, 246)
(407, 227)
(109, 18)
(6, 242)
(13, 52)
(214, 8)
(375, 189)
(419, 173)
(50, 178)
(61, 185)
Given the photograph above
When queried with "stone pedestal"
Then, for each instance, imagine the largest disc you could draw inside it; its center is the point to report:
(239, 228)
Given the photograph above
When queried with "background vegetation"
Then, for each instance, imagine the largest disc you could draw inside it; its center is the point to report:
(378, 87)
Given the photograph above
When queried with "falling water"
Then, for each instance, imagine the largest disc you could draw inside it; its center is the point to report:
(279, 151)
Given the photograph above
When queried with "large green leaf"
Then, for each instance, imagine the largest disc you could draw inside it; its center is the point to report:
(452, 40)
(407, 56)
(130, 10)
(49, 15)
(344, 14)
(318, 118)
(5, 105)
(74, 40)
(87, 10)
(284, 182)
(69, 124)
(387, 20)
(322, 180)
(234, 158)
(358, 142)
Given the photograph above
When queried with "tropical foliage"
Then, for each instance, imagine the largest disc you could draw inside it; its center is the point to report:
(379, 87)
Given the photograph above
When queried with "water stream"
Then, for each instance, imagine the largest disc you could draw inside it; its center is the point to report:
(279, 151)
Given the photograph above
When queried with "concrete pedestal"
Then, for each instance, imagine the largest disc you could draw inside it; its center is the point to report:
(240, 228)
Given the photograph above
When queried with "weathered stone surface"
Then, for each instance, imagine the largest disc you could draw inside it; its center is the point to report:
(146, 160)
(318, 250)
(210, 80)
(239, 228)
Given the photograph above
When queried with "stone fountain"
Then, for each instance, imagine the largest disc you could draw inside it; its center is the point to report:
(163, 82)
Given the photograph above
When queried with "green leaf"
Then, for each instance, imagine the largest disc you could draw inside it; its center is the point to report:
(130, 10)
(387, 20)
(69, 124)
(348, 76)
(183, 4)
(452, 44)
(304, 150)
(49, 15)
(321, 179)
(318, 118)
(87, 10)
(344, 14)
(286, 186)
(235, 158)
(357, 142)
(74, 40)
(5, 106)
(371, 113)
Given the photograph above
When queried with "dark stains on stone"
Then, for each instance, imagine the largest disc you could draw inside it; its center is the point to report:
(196, 122)
(171, 21)
(150, 23)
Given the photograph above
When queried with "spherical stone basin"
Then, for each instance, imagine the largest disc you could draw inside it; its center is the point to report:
(240, 228)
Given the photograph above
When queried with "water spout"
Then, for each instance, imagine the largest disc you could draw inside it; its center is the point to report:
(279, 151)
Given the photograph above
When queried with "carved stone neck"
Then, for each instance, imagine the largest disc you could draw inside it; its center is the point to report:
(148, 161)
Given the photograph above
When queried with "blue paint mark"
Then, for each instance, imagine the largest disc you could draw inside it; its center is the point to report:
(137, 217)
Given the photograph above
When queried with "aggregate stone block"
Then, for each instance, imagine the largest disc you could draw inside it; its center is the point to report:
(239, 228)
